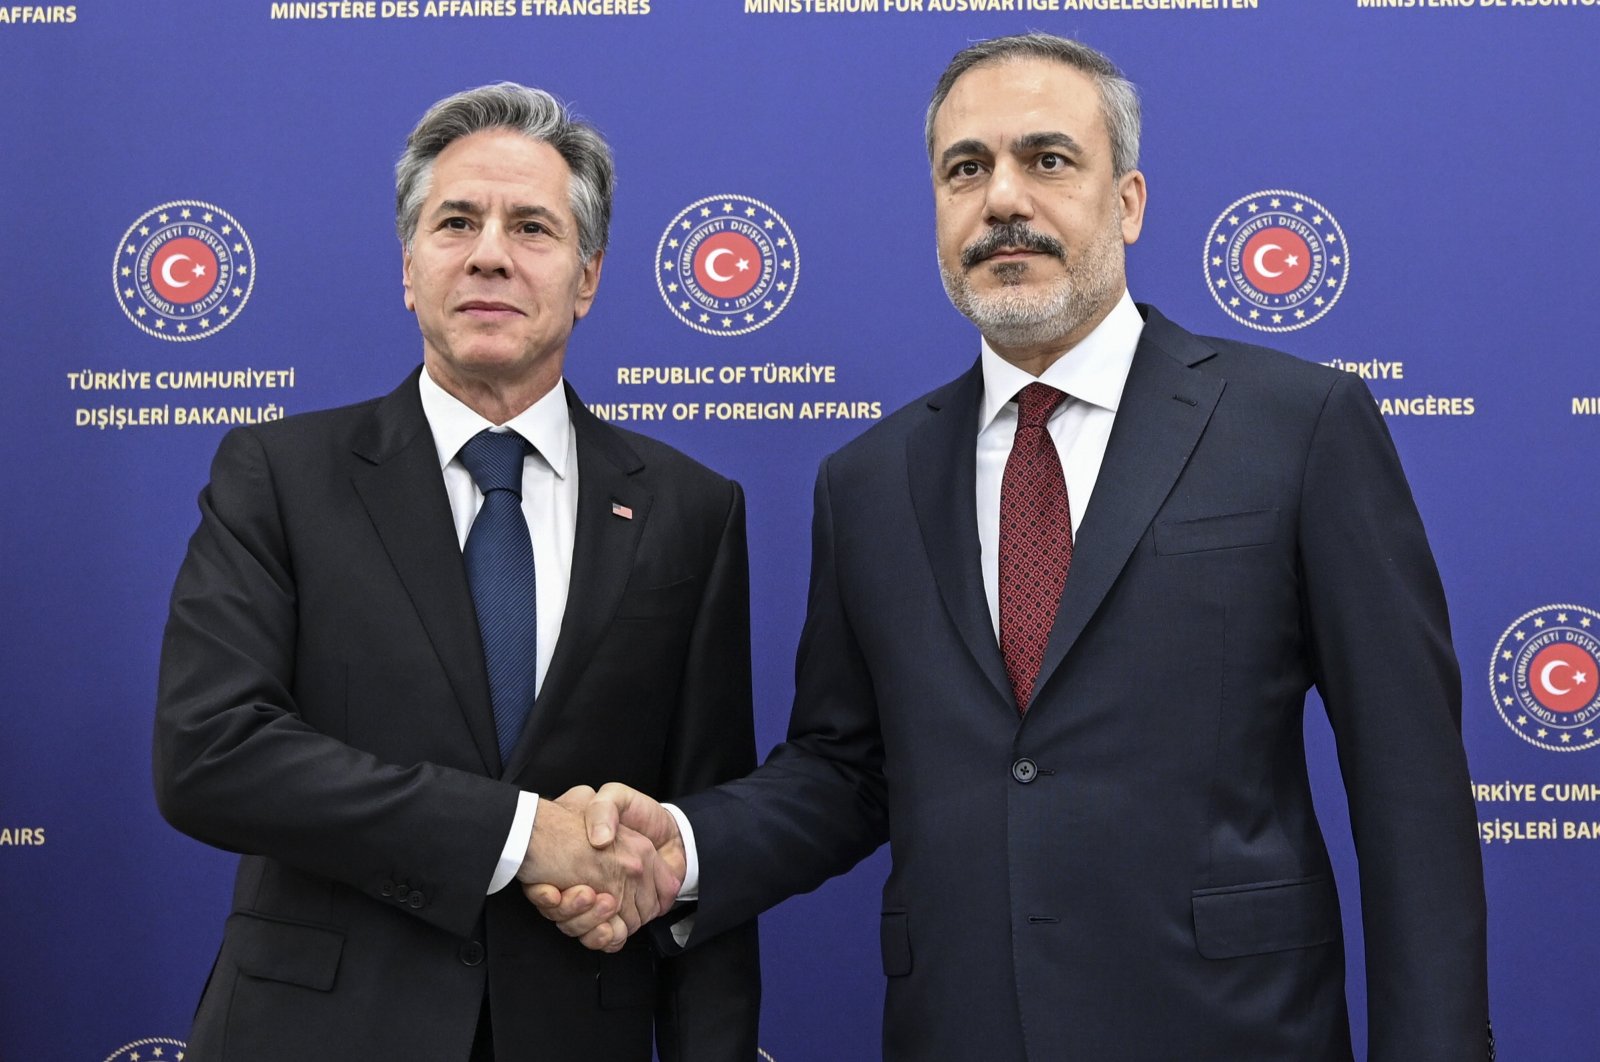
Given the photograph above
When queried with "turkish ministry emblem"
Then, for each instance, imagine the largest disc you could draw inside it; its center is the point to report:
(1545, 677)
(153, 1049)
(1276, 260)
(727, 265)
(184, 270)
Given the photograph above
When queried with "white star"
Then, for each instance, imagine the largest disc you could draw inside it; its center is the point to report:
(1234, 301)
(205, 322)
(183, 328)
(1255, 315)
(1519, 636)
(128, 249)
(782, 241)
(785, 263)
(704, 318)
(238, 248)
(1316, 219)
(672, 243)
(1299, 314)
(673, 286)
(184, 213)
(1298, 207)
(767, 305)
(1522, 720)
(1222, 239)
(1504, 677)
(684, 305)
(140, 311)
(783, 285)
(1543, 732)
(685, 225)
(749, 212)
(1318, 300)
(1276, 203)
(727, 208)
(199, 270)
(1216, 260)
(1565, 738)
(1580, 678)
(160, 323)
(1234, 220)
(163, 218)
(749, 317)
(1505, 654)
(1539, 622)
(1589, 732)
(223, 311)
(742, 265)
(768, 223)
(227, 229)
(1277, 318)
(127, 293)
(1222, 282)
(126, 271)
(144, 230)
(1254, 208)
(203, 217)
(1561, 617)
(727, 322)
(1507, 702)
(1291, 260)
(705, 212)
(667, 266)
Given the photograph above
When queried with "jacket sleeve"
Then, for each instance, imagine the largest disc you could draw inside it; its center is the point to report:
(237, 766)
(818, 805)
(709, 1003)
(1383, 663)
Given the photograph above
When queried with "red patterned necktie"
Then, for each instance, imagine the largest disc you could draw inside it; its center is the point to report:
(1035, 540)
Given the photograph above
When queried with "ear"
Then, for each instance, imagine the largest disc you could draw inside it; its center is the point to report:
(1131, 193)
(405, 278)
(588, 284)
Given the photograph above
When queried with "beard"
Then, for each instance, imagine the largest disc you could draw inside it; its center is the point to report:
(1016, 316)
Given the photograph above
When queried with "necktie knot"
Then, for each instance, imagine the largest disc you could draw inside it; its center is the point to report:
(1035, 403)
(495, 460)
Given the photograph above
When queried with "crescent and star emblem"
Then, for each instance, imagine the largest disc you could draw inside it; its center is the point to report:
(1578, 677)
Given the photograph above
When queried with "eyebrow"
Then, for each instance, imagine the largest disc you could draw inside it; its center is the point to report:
(1025, 143)
(468, 206)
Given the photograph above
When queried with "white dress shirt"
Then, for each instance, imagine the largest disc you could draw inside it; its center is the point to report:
(550, 505)
(1092, 374)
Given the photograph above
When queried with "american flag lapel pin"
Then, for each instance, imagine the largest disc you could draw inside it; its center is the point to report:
(618, 509)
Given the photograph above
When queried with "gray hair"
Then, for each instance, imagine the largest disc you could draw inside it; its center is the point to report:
(1119, 99)
(535, 114)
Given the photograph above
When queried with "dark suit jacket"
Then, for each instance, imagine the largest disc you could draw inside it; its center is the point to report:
(324, 710)
(1134, 871)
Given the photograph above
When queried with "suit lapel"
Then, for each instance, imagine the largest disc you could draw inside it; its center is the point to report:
(602, 558)
(942, 468)
(1164, 409)
(399, 482)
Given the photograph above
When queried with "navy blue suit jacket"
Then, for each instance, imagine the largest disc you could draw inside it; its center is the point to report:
(1134, 871)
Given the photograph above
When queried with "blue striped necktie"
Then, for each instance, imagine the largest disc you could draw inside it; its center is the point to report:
(499, 559)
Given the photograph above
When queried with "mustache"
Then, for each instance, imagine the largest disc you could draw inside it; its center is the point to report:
(1013, 235)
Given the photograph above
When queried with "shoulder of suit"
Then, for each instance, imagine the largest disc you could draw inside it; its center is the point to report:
(315, 427)
(662, 459)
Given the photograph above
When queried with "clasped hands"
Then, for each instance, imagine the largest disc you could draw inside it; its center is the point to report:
(602, 864)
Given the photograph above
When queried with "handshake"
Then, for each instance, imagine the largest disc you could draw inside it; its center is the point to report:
(602, 864)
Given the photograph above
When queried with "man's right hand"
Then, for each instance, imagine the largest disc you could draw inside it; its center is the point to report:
(594, 916)
(596, 855)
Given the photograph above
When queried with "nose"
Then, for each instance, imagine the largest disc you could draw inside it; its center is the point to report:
(1006, 196)
(491, 251)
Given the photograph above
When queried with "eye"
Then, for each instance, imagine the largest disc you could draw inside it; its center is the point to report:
(459, 224)
(1050, 162)
(966, 170)
(534, 228)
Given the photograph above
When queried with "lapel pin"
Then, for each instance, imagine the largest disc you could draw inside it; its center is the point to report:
(618, 509)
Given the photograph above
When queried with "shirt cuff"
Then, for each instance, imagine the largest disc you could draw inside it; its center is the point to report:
(516, 849)
(690, 889)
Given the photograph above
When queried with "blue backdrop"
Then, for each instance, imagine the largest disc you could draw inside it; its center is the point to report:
(1450, 141)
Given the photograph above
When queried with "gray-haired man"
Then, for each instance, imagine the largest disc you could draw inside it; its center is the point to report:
(400, 620)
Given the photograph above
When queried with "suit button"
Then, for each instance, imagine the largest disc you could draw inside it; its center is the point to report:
(471, 953)
(1024, 770)
(414, 901)
(388, 888)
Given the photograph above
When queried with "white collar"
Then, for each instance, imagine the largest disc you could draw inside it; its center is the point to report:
(1094, 371)
(546, 424)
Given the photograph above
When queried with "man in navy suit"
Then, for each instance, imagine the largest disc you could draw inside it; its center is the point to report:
(1063, 616)
(371, 668)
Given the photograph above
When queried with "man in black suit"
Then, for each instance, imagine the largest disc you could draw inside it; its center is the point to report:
(1064, 612)
(400, 620)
